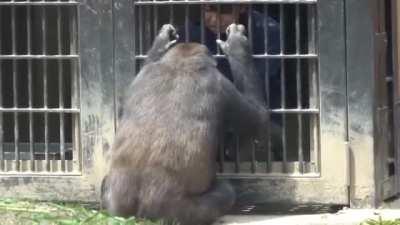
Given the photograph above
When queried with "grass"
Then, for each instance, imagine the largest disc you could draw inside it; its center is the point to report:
(15, 212)
(380, 221)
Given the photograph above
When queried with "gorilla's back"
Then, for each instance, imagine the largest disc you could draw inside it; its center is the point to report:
(171, 110)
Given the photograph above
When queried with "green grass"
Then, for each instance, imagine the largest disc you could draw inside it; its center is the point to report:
(14, 212)
(381, 221)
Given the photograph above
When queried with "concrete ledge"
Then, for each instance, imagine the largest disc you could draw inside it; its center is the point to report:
(343, 217)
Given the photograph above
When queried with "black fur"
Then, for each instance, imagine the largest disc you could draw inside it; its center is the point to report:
(163, 160)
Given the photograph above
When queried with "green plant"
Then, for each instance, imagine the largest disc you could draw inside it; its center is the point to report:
(380, 221)
(15, 212)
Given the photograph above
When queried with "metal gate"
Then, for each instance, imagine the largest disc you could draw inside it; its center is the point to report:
(39, 99)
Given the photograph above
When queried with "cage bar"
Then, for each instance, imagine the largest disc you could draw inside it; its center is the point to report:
(258, 56)
(43, 57)
(45, 89)
(141, 32)
(30, 88)
(60, 89)
(250, 26)
(299, 92)
(254, 147)
(267, 88)
(16, 162)
(38, 3)
(2, 165)
(187, 23)
(313, 89)
(180, 2)
(40, 110)
(75, 68)
(283, 87)
(147, 28)
(219, 28)
(222, 157)
(171, 14)
(155, 21)
(134, 25)
(237, 150)
(202, 33)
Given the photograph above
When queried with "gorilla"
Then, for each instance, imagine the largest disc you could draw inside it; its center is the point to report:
(163, 159)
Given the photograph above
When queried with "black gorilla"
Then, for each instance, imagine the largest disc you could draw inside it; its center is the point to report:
(163, 160)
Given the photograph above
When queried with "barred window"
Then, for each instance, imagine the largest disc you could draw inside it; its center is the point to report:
(39, 86)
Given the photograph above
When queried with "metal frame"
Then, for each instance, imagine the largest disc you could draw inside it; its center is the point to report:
(396, 85)
(253, 168)
(92, 18)
(15, 164)
(368, 107)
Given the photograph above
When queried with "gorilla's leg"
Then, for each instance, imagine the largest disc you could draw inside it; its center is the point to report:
(207, 207)
(166, 37)
(154, 193)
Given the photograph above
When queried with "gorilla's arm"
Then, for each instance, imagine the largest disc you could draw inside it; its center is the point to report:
(245, 116)
(166, 37)
(237, 50)
(246, 103)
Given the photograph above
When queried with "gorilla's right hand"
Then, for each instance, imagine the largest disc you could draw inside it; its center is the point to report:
(236, 45)
(166, 37)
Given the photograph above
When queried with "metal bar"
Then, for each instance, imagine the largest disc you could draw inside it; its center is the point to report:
(2, 165)
(155, 20)
(40, 110)
(283, 87)
(15, 91)
(237, 160)
(298, 90)
(75, 80)
(171, 14)
(73, 27)
(141, 31)
(45, 95)
(29, 56)
(253, 156)
(60, 89)
(219, 27)
(222, 156)
(250, 26)
(258, 56)
(134, 24)
(202, 32)
(267, 86)
(297, 28)
(74, 44)
(39, 3)
(311, 15)
(147, 28)
(30, 89)
(40, 174)
(313, 89)
(187, 23)
(184, 2)
(314, 143)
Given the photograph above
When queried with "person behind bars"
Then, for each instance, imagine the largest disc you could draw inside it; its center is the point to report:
(216, 19)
